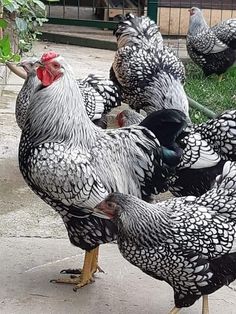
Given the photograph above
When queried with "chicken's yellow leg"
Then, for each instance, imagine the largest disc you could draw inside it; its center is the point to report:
(95, 266)
(205, 307)
(86, 274)
(175, 310)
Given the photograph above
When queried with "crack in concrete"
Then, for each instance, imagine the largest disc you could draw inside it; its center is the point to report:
(53, 262)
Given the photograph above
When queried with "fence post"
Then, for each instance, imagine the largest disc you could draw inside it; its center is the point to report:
(152, 6)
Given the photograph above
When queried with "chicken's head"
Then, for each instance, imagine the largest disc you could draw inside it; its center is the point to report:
(29, 65)
(194, 10)
(50, 68)
(119, 119)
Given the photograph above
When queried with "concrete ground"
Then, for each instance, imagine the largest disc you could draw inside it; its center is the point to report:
(33, 242)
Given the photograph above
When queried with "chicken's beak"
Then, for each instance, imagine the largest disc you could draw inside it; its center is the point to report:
(39, 64)
(190, 11)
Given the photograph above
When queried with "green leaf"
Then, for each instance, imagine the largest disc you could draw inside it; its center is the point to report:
(3, 23)
(16, 57)
(21, 24)
(5, 45)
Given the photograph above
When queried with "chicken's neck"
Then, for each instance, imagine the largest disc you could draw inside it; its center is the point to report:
(197, 24)
(57, 114)
(135, 222)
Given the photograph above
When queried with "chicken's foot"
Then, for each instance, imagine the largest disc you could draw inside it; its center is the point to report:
(89, 268)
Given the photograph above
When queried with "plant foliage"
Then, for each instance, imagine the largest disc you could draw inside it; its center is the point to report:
(20, 23)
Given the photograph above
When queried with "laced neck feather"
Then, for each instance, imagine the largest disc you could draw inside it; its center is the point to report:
(57, 114)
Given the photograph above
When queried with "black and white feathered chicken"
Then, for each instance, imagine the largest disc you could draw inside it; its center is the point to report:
(211, 48)
(207, 147)
(188, 242)
(149, 74)
(72, 164)
(220, 135)
(128, 117)
(27, 90)
(100, 95)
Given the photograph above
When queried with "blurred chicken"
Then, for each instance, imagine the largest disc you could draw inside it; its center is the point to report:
(211, 48)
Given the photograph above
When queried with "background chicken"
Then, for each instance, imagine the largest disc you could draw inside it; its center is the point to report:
(220, 135)
(72, 165)
(149, 74)
(128, 117)
(100, 97)
(187, 242)
(207, 147)
(28, 88)
(211, 48)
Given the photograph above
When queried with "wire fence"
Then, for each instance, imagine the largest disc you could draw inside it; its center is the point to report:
(171, 15)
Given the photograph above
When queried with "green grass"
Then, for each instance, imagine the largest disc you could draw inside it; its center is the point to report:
(216, 95)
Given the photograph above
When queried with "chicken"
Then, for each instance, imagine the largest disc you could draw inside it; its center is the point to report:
(220, 135)
(100, 95)
(72, 164)
(197, 172)
(27, 90)
(188, 242)
(149, 74)
(211, 48)
(128, 117)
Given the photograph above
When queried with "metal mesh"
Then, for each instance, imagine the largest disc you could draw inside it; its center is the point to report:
(172, 15)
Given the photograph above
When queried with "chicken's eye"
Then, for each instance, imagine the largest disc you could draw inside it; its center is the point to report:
(56, 65)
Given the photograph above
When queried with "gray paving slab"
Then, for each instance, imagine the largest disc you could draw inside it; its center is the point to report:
(34, 245)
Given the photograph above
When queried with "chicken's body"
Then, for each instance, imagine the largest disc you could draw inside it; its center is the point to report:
(72, 164)
(149, 74)
(188, 242)
(211, 48)
(196, 174)
(100, 96)
(220, 135)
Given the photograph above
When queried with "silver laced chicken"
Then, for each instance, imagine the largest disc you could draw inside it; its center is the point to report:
(72, 164)
(207, 147)
(27, 90)
(128, 117)
(213, 49)
(188, 242)
(100, 95)
(148, 73)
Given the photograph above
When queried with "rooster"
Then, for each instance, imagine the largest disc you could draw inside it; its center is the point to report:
(188, 242)
(72, 164)
(149, 74)
(196, 173)
(100, 95)
(211, 48)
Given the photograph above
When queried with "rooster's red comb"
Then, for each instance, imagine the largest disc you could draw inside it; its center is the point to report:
(49, 55)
